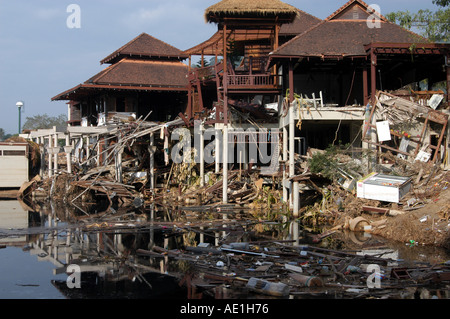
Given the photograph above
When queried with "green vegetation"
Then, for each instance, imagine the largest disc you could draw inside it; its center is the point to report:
(433, 25)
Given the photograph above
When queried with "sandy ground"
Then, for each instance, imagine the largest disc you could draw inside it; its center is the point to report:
(428, 225)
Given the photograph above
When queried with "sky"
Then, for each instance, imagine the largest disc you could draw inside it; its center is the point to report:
(50, 46)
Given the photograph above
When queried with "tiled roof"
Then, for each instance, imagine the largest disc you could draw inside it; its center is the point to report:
(132, 74)
(345, 33)
(147, 46)
(302, 22)
(143, 73)
(344, 38)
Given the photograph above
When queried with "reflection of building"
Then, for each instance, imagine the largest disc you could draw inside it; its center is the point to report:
(13, 216)
(106, 260)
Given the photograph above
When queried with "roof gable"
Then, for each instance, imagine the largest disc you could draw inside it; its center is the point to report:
(145, 46)
(354, 10)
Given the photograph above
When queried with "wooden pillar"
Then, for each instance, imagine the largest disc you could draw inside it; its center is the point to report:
(373, 76)
(118, 160)
(225, 77)
(296, 199)
(365, 86)
(189, 106)
(448, 78)
(225, 66)
(275, 46)
(291, 81)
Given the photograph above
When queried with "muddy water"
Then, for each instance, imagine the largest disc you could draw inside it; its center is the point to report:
(38, 246)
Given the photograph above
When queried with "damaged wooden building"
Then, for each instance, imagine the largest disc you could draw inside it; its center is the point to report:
(300, 81)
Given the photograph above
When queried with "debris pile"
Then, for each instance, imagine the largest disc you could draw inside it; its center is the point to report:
(278, 269)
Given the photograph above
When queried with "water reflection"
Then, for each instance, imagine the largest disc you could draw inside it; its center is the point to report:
(129, 252)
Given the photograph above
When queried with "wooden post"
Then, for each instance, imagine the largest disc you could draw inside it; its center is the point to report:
(118, 161)
(189, 112)
(225, 77)
(296, 199)
(291, 82)
(365, 86)
(294, 232)
(373, 76)
(448, 78)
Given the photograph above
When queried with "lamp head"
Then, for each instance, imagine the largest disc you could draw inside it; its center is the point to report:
(19, 104)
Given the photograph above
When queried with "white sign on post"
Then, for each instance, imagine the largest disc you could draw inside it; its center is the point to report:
(383, 131)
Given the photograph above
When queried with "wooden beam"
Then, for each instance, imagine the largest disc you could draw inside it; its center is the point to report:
(448, 78)
(225, 80)
(365, 86)
(291, 81)
(373, 76)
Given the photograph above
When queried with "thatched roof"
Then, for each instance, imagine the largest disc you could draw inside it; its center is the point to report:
(249, 7)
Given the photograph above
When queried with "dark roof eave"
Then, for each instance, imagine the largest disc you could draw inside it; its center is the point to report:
(322, 56)
(110, 58)
(64, 95)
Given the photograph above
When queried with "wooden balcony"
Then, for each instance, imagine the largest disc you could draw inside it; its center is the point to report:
(264, 81)
(241, 80)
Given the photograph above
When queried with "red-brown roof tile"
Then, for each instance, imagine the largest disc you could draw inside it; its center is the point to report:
(147, 46)
(345, 33)
(302, 22)
(143, 73)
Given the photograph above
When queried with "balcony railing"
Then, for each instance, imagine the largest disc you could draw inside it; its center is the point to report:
(252, 80)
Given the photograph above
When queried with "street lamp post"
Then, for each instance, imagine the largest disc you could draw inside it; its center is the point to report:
(19, 106)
